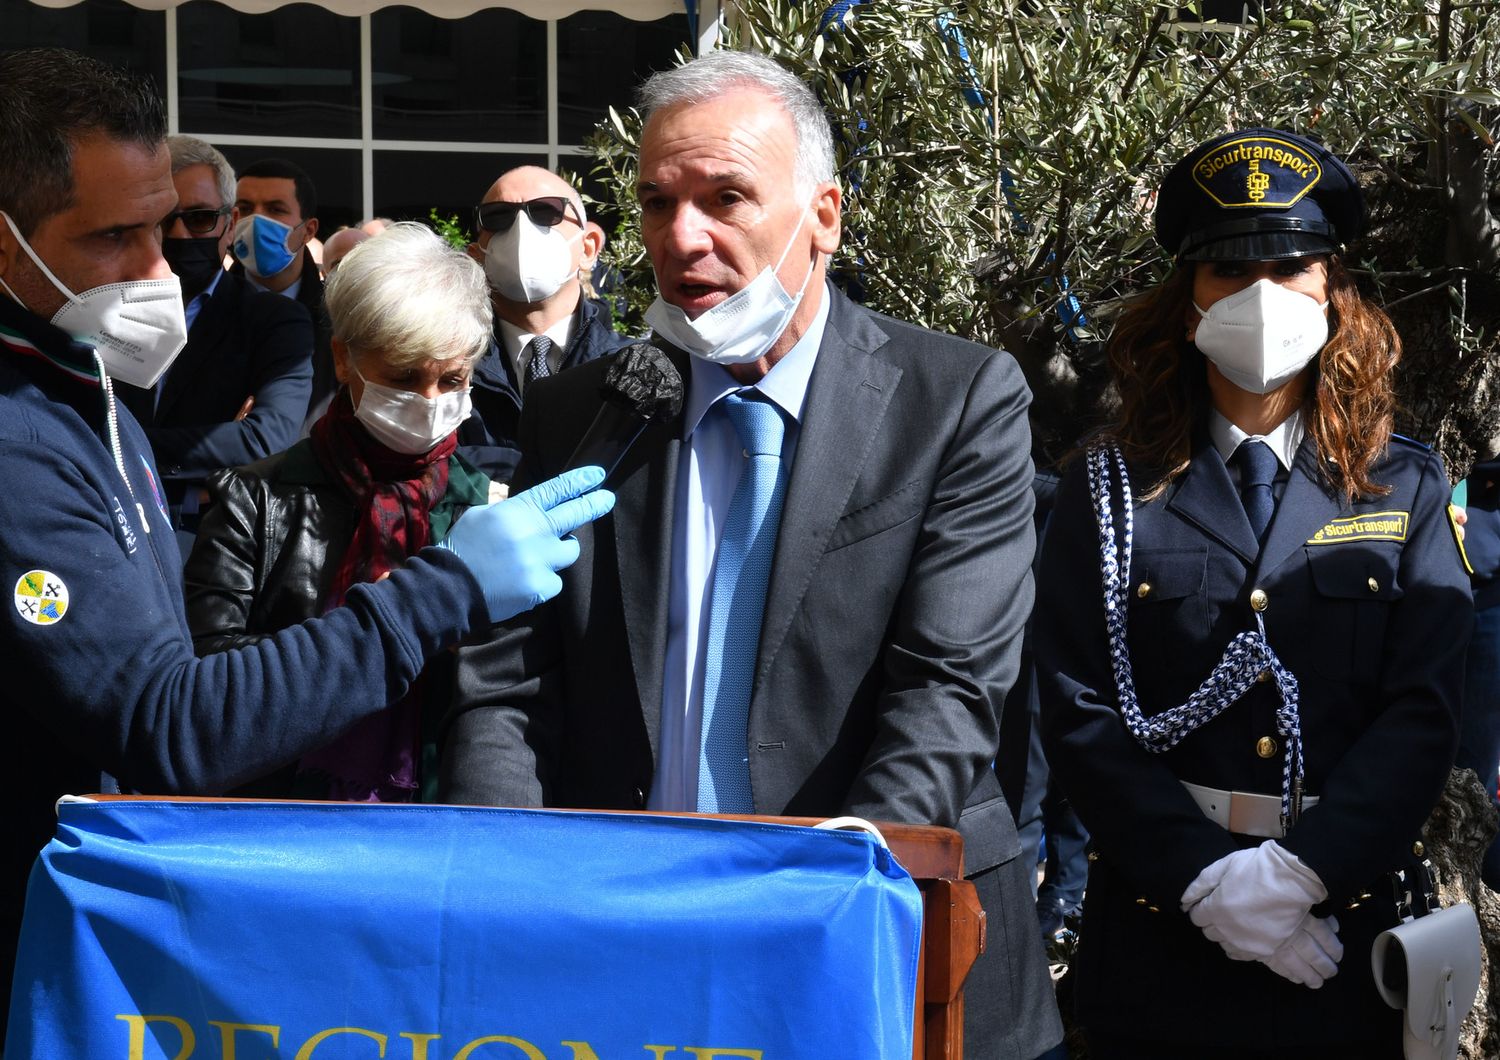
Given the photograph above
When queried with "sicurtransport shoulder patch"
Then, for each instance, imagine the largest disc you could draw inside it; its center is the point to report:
(41, 597)
(1458, 538)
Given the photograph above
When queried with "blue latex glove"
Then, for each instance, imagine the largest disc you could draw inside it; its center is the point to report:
(515, 547)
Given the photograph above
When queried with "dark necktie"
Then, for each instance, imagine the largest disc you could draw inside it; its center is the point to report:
(742, 574)
(1257, 465)
(537, 366)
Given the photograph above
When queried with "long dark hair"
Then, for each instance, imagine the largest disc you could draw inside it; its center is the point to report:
(1163, 384)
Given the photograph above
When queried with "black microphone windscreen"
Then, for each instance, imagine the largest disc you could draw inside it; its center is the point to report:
(643, 380)
(640, 385)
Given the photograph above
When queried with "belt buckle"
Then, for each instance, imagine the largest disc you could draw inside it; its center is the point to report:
(1257, 815)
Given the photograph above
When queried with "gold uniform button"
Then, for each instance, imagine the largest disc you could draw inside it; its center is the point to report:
(1093, 855)
(1140, 901)
(1143, 590)
(1418, 849)
(1263, 676)
(1265, 747)
(1259, 601)
(1374, 585)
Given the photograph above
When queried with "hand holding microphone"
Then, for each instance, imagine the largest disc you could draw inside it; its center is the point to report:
(641, 386)
(515, 547)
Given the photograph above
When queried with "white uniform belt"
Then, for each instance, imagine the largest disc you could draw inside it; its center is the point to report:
(1243, 812)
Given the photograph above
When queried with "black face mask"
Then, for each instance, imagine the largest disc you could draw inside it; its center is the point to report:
(195, 261)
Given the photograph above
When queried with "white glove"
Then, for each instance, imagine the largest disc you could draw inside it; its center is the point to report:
(1252, 901)
(1311, 956)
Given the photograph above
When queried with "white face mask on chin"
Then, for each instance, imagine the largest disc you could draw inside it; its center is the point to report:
(1261, 337)
(741, 328)
(406, 422)
(137, 326)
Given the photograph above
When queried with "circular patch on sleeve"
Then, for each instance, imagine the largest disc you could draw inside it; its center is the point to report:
(41, 597)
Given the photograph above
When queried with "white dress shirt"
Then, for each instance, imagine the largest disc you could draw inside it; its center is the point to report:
(517, 345)
(708, 471)
(1284, 441)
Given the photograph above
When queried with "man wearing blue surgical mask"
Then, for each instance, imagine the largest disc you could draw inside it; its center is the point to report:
(537, 247)
(278, 216)
(809, 601)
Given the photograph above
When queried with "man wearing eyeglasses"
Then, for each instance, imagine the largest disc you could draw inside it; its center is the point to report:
(536, 246)
(239, 389)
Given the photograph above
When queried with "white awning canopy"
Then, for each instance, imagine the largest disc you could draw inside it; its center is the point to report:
(639, 10)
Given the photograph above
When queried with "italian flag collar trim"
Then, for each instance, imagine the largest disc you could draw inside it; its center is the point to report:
(73, 359)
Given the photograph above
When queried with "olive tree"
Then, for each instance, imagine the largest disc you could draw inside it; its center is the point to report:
(999, 161)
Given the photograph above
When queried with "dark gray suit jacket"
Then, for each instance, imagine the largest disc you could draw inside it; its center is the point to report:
(899, 588)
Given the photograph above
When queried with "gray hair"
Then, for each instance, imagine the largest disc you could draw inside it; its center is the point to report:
(711, 75)
(408, 297)
(191, 151)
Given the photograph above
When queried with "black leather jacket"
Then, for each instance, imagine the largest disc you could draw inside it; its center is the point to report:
(267, 551)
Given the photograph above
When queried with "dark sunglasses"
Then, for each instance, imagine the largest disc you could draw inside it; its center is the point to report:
(198, 222)
(545, 212)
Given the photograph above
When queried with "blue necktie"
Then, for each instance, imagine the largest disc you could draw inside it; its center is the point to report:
(742, 569)
(1257, 472)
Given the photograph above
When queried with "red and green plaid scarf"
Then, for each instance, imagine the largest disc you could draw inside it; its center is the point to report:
(392, 495)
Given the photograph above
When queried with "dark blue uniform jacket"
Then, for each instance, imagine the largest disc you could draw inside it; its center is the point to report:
(108, 691)
(1368, 605)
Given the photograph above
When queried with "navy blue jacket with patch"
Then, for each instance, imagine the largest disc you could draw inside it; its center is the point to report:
(109, 692)
(1371, 616)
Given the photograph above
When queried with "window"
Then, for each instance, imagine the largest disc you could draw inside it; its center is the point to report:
(392, 113)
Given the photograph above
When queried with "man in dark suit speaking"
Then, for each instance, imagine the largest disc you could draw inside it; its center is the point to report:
(809, 600)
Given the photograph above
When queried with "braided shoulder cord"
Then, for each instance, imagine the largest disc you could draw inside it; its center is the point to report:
(1248, 653)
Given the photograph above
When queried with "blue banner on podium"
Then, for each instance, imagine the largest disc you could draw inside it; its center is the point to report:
(157, 930)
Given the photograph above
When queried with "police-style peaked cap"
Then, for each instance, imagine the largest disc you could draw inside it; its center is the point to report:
(1258, 195)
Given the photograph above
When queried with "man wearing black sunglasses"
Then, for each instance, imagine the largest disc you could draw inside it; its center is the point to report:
(240, 387)
(537, 247)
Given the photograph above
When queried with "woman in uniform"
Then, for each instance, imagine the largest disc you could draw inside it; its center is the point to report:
(1252, 613)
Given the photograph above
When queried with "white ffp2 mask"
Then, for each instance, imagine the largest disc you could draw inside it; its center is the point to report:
(1261, 337)
(137, 326)
(529, 263)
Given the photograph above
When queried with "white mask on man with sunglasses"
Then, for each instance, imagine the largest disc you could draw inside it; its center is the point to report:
(528, 262)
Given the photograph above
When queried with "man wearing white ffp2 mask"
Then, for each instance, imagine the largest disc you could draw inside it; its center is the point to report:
(538, 249)
(137, 326)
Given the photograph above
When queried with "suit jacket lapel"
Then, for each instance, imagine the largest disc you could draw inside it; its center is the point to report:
(645, 485)
(847, 398)
(1307, 504)
(1206, 497)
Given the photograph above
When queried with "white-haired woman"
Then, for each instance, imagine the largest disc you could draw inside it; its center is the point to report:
(377, 479)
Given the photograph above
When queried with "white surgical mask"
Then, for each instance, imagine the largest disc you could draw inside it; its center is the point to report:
(406, 422)
(137, 326)
(1261, 337)
(529, 263)
(741, 328)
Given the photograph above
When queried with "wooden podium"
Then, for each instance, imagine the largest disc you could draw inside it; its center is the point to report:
(953, 928)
